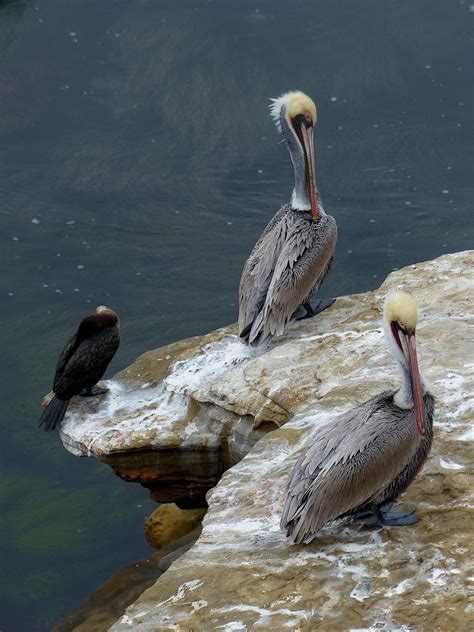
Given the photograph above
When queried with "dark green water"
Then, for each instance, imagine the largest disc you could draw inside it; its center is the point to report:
(138, 165)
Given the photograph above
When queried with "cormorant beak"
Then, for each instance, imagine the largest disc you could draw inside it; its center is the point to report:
(306, 128)
(409, 351)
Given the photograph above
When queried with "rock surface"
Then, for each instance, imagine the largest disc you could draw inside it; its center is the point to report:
(218, 398)
(168, 522)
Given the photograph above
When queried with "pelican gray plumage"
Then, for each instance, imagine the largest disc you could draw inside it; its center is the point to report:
(361, 462)
(294, 253)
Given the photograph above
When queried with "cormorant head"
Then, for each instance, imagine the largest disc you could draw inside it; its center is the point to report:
(102, 309)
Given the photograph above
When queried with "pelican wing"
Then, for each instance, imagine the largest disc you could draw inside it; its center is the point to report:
(258, 270)
(301, 266)
(351, 460)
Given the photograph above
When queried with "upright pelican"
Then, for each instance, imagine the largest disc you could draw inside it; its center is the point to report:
(294, 253)
(83, 362)
(359, 463)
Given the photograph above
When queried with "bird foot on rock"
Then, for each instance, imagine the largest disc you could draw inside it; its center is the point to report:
(95, 390)
(370, 512)
(319, 306)
(392, 519)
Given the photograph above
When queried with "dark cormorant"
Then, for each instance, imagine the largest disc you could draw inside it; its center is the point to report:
(83, 362)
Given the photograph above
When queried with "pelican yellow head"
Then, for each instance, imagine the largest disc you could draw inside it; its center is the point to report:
(401, 308)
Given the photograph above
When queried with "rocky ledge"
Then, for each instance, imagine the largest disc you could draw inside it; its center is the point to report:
(181, 415)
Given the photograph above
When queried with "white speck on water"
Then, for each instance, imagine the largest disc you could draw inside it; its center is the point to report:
(340, 127)
(260, 171)
(15, 239)
(445, 191)
(45, 285)
(10, 294)
(372, 221)
(229, 223)
(407, 202)
(117, 34)
(375, 125)
(35, 221)
(428, 67)
(333, 99)
(80, 266)
(72, 34)
(71, 222)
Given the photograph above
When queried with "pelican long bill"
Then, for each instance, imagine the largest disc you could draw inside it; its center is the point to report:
(412, 362)
(308, 144)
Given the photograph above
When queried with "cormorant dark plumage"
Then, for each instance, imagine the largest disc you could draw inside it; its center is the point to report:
(83, 362)
(363, 460)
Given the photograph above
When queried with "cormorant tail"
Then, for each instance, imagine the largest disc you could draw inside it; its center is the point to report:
(54, 413)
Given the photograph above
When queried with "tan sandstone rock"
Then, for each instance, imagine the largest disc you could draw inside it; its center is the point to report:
(216, 399)
(168, 522)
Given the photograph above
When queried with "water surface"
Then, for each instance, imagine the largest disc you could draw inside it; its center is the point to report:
(138, 165)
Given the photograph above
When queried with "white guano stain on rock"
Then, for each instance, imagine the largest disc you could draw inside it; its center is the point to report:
(350, 577)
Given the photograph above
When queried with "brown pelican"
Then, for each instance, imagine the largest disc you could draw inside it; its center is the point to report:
(83, 362)
(294, 253)
(359, 463)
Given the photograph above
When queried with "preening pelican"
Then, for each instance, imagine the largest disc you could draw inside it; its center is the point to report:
(361, 462)
(293, 255)
(83, 362)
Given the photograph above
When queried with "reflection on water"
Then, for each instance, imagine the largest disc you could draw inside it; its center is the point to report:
(138, 164)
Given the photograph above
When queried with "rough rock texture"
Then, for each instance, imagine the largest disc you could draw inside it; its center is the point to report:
(168, 421)
(242, 573)
(168, 522)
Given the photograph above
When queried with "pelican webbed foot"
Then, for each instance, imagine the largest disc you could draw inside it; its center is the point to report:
(311, 310)
(93, 391)
(385, 518)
